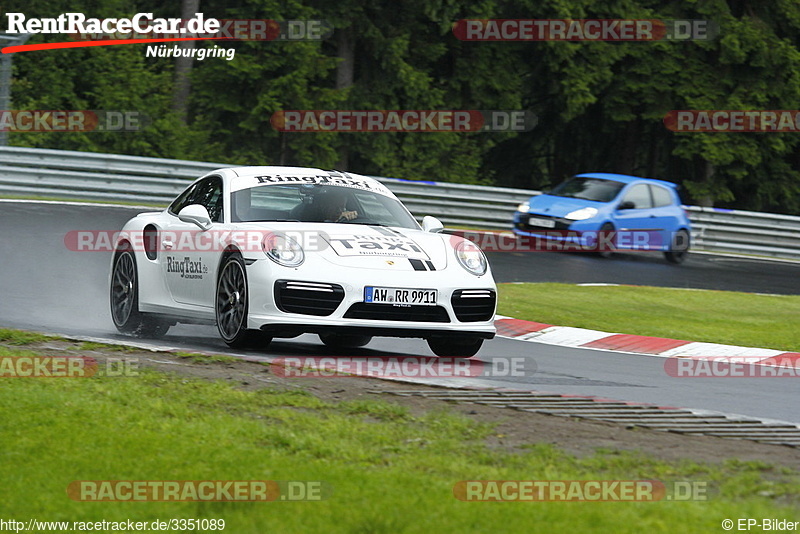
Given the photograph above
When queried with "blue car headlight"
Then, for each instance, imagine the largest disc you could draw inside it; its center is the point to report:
(581, 214)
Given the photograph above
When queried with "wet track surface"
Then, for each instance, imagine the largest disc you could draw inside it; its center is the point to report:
(46, 287)
(700, 271)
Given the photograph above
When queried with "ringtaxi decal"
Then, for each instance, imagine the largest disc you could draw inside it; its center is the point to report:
(186, 267)
(323, 180)
(377, 245)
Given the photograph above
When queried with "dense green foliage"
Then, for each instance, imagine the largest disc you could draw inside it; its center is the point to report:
(600, 104)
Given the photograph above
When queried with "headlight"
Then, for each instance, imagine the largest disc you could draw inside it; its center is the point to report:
(471, 257)
(581, 214)
(283, 250)
(524, 207)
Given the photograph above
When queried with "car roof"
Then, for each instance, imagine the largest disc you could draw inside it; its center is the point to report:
(626, 179)
(256, 170)
(250, 176)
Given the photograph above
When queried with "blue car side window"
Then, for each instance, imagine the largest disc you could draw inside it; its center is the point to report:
(661, 196)
(639, 194)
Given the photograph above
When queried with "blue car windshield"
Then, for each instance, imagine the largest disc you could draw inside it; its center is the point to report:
(596, 189)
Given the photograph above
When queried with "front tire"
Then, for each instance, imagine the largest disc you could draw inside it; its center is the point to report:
(124, 299)
(606, 229)
(679, 247)
(231, 306)
(455, 348)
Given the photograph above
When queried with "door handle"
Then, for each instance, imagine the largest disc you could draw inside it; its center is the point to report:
(168, 244)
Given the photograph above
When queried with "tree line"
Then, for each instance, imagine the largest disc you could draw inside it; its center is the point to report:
(600, 105)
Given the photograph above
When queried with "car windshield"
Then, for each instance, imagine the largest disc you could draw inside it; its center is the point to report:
(318, 203)
(597, 189)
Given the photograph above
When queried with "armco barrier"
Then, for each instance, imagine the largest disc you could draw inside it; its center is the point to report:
(112, 177)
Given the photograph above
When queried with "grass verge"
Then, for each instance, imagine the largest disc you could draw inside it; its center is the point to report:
(386, 470)
(725, 317)
(22, 337)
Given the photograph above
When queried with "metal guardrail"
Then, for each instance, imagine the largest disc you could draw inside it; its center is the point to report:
(745, 232)
(111, 177)
(92, 176)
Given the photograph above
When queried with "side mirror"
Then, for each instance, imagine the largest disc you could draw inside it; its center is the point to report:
(197, 214)
(627, 205)
(432, 224)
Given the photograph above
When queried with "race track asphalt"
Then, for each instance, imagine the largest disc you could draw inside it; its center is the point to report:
(46, 287)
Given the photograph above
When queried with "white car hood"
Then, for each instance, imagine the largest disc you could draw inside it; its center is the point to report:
(363, 246)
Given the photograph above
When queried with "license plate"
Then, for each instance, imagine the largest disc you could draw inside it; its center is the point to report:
(544, 223)
(400, 296)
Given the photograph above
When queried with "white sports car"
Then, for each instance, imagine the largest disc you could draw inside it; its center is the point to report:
(268, 252)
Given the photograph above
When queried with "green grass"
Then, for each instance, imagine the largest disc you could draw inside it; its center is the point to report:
(206, 359)
(91, 345)
(714, 316)
(22, 337)
(386, 470)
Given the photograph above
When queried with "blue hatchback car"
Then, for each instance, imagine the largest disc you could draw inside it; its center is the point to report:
(637, 214)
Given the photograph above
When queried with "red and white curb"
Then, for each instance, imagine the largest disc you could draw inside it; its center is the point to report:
(567, 336)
